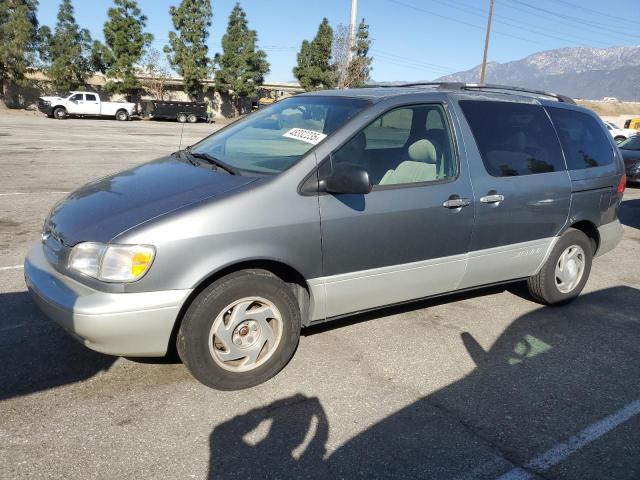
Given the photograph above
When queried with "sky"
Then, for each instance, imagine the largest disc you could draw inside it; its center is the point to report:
(412, 39)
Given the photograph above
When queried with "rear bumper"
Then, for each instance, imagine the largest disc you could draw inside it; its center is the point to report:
(610, 236)
(127, 324)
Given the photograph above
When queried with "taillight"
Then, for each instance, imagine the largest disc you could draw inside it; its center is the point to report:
(623, 184)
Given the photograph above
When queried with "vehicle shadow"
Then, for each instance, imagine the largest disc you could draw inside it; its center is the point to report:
(36, 354)
(551, 374)
(629, 213)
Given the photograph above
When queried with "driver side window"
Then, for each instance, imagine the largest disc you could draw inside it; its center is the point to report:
(406, 145)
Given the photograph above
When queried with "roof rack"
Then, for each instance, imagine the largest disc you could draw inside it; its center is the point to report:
(489, 86)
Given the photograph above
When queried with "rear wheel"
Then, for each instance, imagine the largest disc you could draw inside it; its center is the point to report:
(60, 113)
(240, 331)
(566, 271)
(192, 118)
(122, 116)
(182, 117)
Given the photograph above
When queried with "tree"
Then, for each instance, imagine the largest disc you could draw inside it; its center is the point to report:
(351, 62)
(155, 74)
(188, 50)
(360, 65)
(125, 44)
(241, 66)
(18, 40)
(314, 70)
(69, 50)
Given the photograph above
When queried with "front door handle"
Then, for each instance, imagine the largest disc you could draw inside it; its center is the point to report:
(456, 203)
(493, 198)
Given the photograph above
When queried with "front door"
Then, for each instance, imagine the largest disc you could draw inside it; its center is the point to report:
(75, 105)
(522, 188)
(408, 238)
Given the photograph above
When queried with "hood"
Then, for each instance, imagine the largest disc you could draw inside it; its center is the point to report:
(101, 210)
(50, 99)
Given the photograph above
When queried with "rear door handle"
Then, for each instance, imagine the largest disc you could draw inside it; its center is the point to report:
(456, 203)
(494, 198)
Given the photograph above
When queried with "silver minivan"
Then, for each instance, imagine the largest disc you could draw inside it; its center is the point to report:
(323, 205)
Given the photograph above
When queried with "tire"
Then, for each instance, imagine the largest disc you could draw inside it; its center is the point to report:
(122, 115)
(572, 255)
(192, 118)
(182, 117)
(60, 113)
(206, 335)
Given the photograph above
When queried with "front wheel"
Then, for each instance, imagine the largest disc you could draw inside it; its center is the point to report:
(122, 116)
(240, 331)
(60, 113)
(566, 271)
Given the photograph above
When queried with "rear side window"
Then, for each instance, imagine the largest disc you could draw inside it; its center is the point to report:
(91, 98)
(513, 138)
(584, 142)
(391, 130)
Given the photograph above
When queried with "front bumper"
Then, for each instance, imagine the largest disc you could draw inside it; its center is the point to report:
(45, 107)
(633, 176)
(127, 324)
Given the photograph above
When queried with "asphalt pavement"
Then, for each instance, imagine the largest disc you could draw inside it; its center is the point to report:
(484, 385)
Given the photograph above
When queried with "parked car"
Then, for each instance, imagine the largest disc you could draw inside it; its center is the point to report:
(630, 150)
(619, 134)
(84, 104)
(323, 205)
(191, 112)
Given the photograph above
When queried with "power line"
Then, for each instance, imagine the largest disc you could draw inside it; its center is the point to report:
(410, 59)
(472, 25)
(575, 19)
(511, 22)
(412, 65)
(634, 23)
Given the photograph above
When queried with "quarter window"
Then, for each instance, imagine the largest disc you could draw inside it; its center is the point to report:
(583, 140)
(513, 138)
(404, 146)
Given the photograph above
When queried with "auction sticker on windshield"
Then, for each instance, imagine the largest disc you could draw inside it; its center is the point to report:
(304, 135)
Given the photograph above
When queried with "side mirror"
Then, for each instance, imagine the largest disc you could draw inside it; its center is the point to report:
(347, 178)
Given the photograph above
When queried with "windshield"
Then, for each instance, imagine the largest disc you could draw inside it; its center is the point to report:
(631, 143)
(271, 140)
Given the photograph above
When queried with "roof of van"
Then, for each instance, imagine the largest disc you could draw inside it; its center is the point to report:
(375, 93)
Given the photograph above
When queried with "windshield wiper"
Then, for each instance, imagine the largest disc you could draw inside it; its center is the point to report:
(213, 161)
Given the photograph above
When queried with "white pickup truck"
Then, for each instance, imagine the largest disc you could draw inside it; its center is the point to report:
(85, 104)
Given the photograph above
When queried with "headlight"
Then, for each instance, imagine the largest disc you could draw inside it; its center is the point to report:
(111, 263)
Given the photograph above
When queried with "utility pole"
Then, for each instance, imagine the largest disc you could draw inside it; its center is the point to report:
(486, 44)
(352, 27)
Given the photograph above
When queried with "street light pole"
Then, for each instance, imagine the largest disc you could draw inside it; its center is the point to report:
(352, 27)
(483, 71)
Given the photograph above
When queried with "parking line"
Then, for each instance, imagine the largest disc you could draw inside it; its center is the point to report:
(563, 450)
(12, 267)
(556, 454)
(30, 193)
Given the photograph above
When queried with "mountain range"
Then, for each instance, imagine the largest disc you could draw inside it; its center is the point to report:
(589, 73)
